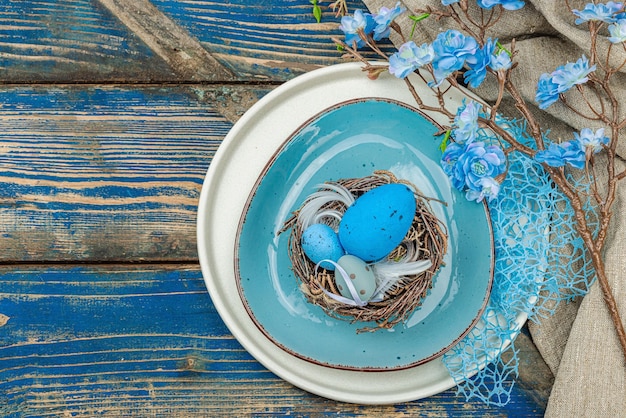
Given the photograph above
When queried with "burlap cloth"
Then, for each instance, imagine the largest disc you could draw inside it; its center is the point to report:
(578, 342)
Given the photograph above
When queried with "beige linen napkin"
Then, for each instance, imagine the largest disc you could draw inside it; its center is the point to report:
(578, 342)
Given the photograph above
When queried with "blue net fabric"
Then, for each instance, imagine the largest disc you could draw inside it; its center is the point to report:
(540, 260)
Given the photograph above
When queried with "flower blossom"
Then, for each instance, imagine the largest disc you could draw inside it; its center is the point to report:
(487, 188)
(557, 155)
(561, 80)
(452, 50)
(575, 151)
(352, 25)
(478, 71)
(618, 31)
(599, 12)
(507, 4)
(384, 18)
(500, 60)
(591, 142)
(547, 91)
(449, 161)
(409, 58)
(473, 168)
(488, 4)
(480, 161)
(466, 123)
(566, 76)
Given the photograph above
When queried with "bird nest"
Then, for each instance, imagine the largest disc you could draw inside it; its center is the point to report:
(425, 240)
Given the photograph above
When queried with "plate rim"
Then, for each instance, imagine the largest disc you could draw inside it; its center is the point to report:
(386, 387)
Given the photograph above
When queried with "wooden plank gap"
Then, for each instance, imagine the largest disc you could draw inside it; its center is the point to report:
(182, 52)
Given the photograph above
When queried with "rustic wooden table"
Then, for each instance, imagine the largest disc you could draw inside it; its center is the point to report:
(110, 112)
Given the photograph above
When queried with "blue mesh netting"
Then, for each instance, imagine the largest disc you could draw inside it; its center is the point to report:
(540, 261)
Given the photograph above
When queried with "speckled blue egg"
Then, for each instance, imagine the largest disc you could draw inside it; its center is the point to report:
(320, 242)
(377, 222)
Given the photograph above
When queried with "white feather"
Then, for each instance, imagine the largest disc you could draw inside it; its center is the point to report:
(391, 273)
(310, 211)
(329, 213)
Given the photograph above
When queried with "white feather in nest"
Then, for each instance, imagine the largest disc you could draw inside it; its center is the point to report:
(311, 212)
(393, 273)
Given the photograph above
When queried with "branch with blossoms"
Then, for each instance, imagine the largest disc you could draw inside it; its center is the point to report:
(477, 142)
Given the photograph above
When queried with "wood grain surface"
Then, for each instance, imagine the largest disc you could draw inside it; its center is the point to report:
(71, 40)
(123, 340)
(106, 173)
(163, 40)
(110, 114)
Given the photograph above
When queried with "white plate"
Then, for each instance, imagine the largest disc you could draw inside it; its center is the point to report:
(237, 165)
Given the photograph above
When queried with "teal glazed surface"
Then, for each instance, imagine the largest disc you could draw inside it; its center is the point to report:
(353, 140)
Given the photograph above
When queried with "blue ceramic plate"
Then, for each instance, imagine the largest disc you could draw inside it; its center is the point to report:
(353, 139)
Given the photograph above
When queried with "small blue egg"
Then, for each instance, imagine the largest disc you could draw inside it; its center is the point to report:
(320, 242)
(377, 222)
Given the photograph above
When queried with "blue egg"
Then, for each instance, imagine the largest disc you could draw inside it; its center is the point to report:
(320, 242)
(377, 222)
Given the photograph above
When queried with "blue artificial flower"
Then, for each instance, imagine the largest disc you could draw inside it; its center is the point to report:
(590, 141)
(547, 91)
(478, 162)
(351, 25)
(473, 168)
(384, 18)
(570, 74)
(466, 123)
(488, 188)
(409, 58)
(561, 80)
(618, 31)
(500, 60)
(507, 4)
(452, 51)
(599, 12)
(488, 4)
(478, 70)
(512, 4)
(449, 163)
(557, 155)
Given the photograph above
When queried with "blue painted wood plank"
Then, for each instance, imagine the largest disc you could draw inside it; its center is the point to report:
(71, 40)
(145, 340)
(81, 41)
(105, 173)
(262, 40)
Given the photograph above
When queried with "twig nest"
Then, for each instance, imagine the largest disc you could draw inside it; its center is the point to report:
(366, 249)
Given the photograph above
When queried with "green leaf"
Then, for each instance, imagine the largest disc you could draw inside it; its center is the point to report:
(415, 20)
(502, 48)
(419, 18)
(444, 141)
(317, 11)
